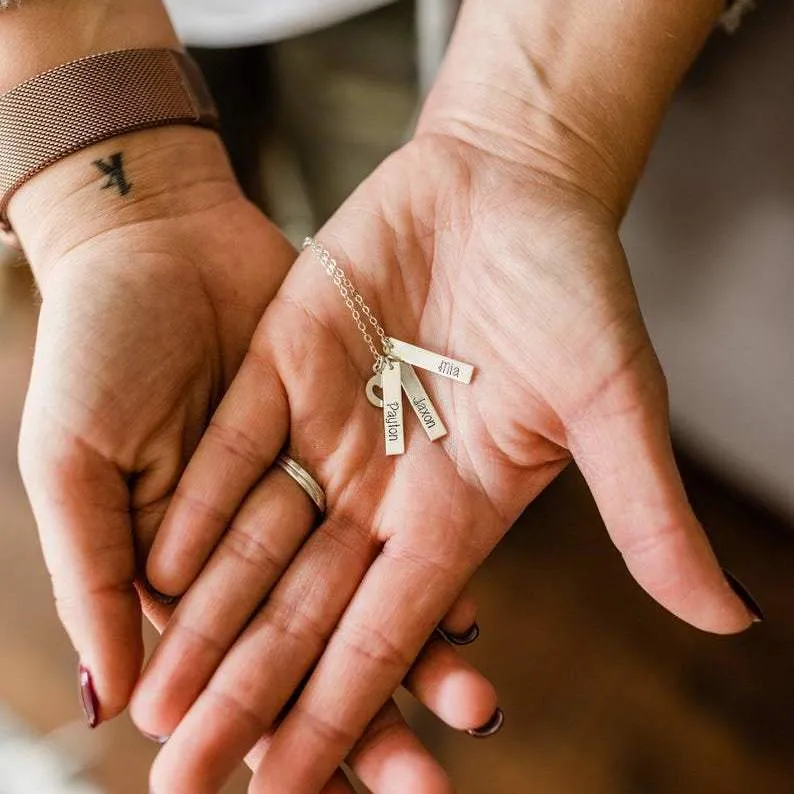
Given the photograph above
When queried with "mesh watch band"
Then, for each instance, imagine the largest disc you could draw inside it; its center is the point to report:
(92, 99)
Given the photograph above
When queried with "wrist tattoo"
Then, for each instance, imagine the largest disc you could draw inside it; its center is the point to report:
(113, 169)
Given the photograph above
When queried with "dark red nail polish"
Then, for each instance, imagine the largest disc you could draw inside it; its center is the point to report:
(162, 598)
(492, 727)
(466, 638)
(744, 595)
(88, 697)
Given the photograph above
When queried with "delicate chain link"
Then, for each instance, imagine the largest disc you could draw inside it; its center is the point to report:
(361, 313)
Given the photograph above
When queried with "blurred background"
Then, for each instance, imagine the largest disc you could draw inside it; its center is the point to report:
(603, 692)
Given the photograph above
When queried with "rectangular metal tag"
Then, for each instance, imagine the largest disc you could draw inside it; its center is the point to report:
(393, 427)
(432, 362)
(420, 401)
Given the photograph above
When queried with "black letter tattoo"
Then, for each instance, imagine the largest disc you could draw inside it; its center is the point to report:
(114, 170)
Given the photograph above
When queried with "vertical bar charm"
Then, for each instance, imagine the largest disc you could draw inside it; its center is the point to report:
(420, 401)
(393, 427)
(433, 362)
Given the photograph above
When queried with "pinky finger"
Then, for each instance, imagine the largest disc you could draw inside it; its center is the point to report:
(457, 693)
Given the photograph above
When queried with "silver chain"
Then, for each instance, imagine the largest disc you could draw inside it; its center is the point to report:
(361, 313)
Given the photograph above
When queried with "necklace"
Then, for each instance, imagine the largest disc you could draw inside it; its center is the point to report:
(394, 362)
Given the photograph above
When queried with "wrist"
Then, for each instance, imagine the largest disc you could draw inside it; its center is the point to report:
(167, 173)
(39, 36)
(574, 90)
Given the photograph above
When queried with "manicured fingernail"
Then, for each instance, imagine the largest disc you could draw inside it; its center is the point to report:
(744, 595)
(492, 727)
(88, 697)
(156, 739)
(162, 598)
(467, 638)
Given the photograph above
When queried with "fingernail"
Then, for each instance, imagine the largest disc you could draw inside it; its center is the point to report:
(744, 595)
(162, 598)
(467, 638)
(492, 727)
(88, 697)
(156, 739)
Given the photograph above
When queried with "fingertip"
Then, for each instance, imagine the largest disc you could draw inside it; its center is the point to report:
(390, 759)
(108, 670)
(451, 688)
(490, 728)
(461, 640)
(423, 776)
(160, 598)
(167, 572)
(461, 617)
(465, 700)
(153, 709)
(744, 595)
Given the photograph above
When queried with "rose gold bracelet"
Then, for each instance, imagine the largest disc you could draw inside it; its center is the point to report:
(90, 100)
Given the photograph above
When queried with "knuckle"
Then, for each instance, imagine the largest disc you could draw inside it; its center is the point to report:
(348, 535)
(440, 561)
(239, 702)
(331, 731)
(373, 645)
(665, 537)
(194, 636)
(236, 442)
(252, 551)
(296, 623)
(203, 509)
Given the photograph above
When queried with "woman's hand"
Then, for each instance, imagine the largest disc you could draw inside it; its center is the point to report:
(388, 758)
(489, 260)
(148, 308)
(149, 302)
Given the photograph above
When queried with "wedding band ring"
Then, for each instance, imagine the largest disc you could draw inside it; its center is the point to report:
(309, 485)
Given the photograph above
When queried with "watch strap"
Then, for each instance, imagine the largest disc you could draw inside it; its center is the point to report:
(90, 100)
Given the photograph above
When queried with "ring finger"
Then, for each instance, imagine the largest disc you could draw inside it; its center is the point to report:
(250, 558)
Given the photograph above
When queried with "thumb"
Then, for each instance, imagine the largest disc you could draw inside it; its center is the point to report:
(80, 502)
(622, 445)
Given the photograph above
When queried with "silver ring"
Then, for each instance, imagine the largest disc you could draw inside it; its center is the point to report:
(310, 486)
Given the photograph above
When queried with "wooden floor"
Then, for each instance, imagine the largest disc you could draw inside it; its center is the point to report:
(603, 692)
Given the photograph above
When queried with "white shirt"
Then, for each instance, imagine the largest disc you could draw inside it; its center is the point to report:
(231, 23)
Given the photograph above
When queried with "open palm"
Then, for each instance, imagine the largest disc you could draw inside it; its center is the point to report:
(488, 262)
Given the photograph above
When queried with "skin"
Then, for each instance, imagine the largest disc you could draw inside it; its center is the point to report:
(149, 300)
(492, 236)
(141, 331)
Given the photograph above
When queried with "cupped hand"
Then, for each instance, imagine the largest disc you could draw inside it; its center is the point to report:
(491, 261)
(149, 304)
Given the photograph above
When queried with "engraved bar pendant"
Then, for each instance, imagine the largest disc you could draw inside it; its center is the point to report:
(423, 407)
(432, 362)
(393, 427)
